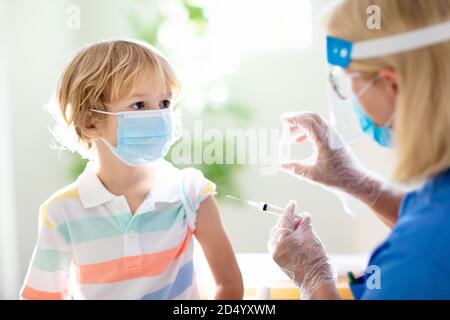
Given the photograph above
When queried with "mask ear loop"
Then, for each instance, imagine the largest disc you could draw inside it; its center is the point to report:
(103, 112)
(108, 145)
(390, 121)
(366, 87)
(363, 90)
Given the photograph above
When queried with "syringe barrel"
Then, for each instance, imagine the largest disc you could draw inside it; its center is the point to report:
(267, 207)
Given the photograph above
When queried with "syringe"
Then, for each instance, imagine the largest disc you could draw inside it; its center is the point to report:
(261, 206)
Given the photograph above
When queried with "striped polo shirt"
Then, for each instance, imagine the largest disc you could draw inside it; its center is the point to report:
(90, 245)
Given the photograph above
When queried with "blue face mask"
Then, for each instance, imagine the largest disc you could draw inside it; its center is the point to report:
(382, 135)
(142, 136)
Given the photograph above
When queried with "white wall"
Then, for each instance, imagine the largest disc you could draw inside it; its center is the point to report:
(9, 275)
(36, 50)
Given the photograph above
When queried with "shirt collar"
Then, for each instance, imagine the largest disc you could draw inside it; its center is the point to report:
(424, 195)
(166, 188)
(92, 191)
(442, 180)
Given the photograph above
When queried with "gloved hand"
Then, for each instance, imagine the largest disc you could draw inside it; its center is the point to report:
(296, 248)
(335, 165)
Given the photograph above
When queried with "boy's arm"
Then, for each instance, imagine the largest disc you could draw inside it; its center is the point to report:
(218, 251)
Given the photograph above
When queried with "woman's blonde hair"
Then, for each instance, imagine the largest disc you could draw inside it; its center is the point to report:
(101, 73)
(422, 118)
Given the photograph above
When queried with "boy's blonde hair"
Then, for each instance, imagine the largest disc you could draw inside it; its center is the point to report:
(101, 73)
(422, 123)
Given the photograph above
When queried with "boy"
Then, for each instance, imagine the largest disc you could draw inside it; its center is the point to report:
(124, 229)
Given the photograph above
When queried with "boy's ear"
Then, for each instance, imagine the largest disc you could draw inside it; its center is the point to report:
(91, 129)
(90, 126)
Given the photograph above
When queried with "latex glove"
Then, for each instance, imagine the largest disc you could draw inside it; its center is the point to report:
(296, 248)
(335, 165)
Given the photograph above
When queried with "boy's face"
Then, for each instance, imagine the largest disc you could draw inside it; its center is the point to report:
(147, 96)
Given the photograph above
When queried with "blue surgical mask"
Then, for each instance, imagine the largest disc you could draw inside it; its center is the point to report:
(382, 135)
(142, 136)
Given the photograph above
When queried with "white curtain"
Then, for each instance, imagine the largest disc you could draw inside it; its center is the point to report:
(9, 271)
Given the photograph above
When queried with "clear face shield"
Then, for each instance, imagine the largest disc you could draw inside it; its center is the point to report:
(346, 115)
(343, 116)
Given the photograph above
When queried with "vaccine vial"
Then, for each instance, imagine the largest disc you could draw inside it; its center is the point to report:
(285, 145)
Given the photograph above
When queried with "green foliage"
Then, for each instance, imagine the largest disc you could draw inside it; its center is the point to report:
(147, 31)
(236, 110)
(77, 167)
(223, 175)
(197, 17)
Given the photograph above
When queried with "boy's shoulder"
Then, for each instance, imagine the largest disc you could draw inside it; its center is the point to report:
(171, 172)
(195, 185)
(191, 177)
(46, 210)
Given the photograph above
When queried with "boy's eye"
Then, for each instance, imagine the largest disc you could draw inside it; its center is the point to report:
(164, 104)
(138, 105)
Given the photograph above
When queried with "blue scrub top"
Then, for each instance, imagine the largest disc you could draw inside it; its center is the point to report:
(414, 262)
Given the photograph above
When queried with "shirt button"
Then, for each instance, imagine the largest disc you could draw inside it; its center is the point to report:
(131, 234)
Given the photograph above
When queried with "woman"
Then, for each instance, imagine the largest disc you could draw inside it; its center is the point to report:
(402, 98)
